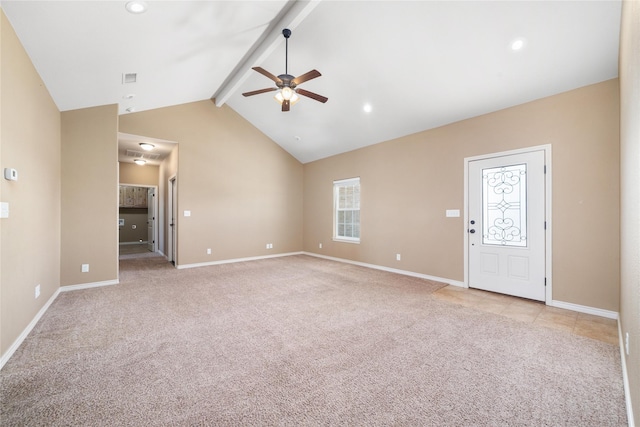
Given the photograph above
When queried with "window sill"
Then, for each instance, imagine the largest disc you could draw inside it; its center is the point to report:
(337, 239)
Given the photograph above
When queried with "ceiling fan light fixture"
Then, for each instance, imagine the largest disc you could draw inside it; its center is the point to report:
(146, 146)
(287, 86)
(287, 95)
(139, 162)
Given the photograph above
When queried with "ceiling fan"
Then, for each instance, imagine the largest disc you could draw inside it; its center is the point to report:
(287, 85)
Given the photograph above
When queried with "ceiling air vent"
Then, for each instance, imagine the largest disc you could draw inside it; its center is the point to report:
(140, 155)
(129, 78)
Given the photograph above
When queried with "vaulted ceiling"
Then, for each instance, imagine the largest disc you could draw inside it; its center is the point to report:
(417, 64)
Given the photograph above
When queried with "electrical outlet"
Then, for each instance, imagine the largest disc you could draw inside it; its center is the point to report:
(209, 251)
(37, 291)
(398, 257)
(85, 268)
(320, 245)
(626, 343)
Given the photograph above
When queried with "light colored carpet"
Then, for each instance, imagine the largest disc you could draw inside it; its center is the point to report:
(298, 341)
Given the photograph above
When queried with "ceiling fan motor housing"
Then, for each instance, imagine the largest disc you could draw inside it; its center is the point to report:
(286, 81)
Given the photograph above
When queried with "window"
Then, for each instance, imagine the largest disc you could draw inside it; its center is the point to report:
(346, 210)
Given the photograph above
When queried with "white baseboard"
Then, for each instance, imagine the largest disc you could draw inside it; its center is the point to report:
(625, 378)
(16, 344)
(391, 270)
(133, 243)
(88, 285)
(229, 261)
(584, 309)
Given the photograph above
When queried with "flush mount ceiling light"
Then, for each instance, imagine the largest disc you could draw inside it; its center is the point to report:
(136, 6)
(146, 146)
(139, 162)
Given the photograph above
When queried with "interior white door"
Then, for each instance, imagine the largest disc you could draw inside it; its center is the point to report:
(506, 226)
(151, 219)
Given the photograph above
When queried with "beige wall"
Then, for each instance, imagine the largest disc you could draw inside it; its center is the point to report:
(130, 173)
(89, 195)
(30, 143)
(242, 189)
(630, 193)
(408, 183)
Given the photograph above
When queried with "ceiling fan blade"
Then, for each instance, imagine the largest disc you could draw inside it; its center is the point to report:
(259, 91)
(312, 95)
(285, 105)
(306, 77)
(267, 74)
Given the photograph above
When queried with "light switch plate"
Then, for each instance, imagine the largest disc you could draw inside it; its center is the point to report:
(453, 213)
(4, 210)
(187, 213)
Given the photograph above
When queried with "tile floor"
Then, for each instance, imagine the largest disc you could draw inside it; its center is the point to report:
(133, 249)
(587, 325)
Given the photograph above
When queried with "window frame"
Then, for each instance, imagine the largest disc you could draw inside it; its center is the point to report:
(336, 186)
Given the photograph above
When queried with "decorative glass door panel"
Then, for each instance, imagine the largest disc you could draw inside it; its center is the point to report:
(504, 205)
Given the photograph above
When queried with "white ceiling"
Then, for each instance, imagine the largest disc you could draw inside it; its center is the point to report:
(420, 64)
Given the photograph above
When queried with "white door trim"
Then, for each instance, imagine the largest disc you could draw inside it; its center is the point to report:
(156, 231)
(547, 183)
(172, 212)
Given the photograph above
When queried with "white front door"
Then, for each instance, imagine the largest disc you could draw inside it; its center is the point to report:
(506, 228)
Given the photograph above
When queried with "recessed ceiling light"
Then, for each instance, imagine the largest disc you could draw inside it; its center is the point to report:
(139, 162)
(136, 6)
(129, 96)
(297, 138)
(130, 109)
(367, 108)
(518, 44)
(146, 146)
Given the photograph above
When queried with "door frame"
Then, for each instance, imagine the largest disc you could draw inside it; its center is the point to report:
(154, 219)
(547, 190)
(156, 231)
(172, 208)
